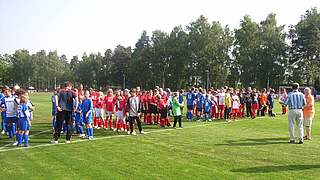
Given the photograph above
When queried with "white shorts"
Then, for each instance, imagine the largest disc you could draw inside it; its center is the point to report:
(109, 113)
(119, 115)
(307, 121)
(98, 112)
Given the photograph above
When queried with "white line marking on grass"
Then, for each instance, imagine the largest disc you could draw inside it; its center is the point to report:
(110, 137)
(9, 144)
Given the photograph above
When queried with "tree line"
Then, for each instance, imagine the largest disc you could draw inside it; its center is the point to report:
(202, 53)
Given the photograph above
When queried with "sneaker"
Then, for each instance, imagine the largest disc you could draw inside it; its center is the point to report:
(114, 129)
(142, 132)
(98, 128)
(26, 145)
(210, 120)
(128, 132)
(134, 133)
(3, 132)
(90, 138)
(300, 142)
(291, 142)
(68, 142)
(19, 145)
(15, 143)
(121, 129)
(54, 142)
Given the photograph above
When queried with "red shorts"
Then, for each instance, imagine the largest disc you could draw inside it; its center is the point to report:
(254, 106)
(221, 107)
(235, 111)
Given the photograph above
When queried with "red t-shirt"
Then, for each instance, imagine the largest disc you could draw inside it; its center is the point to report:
(99, 103)
(120, 104)
(109, 102)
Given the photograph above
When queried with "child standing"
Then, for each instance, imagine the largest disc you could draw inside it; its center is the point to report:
(120, 105)
(190, 103)
(283, 97)
(24, 122)
(207, 105)
(109, 102)
(199, 104)
(79, 118)
(235, 105)
(270, 102)
(87, 108)
(176, 110)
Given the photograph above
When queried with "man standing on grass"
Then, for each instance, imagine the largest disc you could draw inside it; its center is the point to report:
(66, 98)
(133, 109)
(296, 102)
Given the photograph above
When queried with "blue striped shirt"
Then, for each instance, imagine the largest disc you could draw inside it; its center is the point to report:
(295, 100)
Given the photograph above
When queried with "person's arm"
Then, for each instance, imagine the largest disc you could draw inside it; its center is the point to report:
(286, 101)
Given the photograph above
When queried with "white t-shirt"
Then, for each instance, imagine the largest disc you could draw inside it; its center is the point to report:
(235, 102)
(221, 98)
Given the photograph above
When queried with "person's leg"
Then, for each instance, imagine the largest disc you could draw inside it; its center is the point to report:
(139, 123)
(180, 123)
(175, 121)
(131, 121)
(291, 120)
(300, 124)
(58, 126)
(69, 122)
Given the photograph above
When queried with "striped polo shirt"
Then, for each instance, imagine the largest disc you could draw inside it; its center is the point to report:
(295, 100)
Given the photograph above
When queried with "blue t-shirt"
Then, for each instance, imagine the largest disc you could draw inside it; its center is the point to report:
(190, 98)
(200, 99)
(207, 104)
(3, 114)
(23, 111)
(180, 98)
(87, 105)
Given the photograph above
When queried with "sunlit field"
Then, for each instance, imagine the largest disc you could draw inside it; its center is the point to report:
(245, 149)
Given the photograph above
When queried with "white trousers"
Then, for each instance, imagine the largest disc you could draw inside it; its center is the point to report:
(296, 116)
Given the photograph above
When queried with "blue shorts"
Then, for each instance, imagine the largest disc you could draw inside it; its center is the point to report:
(23, 124)
(87, 120)
(9, 120)
(79, 119)
(190, 107)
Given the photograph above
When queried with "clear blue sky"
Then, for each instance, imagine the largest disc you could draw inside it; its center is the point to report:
(75, 26)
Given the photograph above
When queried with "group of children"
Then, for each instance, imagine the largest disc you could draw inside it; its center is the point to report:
(95, 110)
(16, 113)
(229, 103)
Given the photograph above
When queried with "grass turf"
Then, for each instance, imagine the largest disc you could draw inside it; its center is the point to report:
(246, 149)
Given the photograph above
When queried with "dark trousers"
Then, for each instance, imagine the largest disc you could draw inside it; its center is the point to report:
(263, 110)
(131, 122)
(177, 118)
(227, 112)
(248, 109)
(63, 116)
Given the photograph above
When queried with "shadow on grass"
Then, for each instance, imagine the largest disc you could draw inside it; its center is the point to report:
(255, 142)
(269, 169)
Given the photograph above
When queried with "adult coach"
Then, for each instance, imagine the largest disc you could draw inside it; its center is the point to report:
(133, 109)
(65, 107)
(296, 102)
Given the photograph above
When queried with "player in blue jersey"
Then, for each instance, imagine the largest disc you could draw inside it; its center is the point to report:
(9, 105)
(3, 115)
(24, 122)
(180, 99)
(87, 108)
(190, 103)
(79, 118)
(199, 104)
(54, 103)
(207, 105)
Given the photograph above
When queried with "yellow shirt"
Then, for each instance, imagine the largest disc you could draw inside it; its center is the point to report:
(308, 111)
(228, 100)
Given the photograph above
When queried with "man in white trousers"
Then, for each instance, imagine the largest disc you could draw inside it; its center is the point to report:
(296, 102)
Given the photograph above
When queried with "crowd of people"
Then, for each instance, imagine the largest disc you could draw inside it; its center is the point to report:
(75, 110)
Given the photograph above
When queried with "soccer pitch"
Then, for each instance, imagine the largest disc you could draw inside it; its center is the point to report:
(245, 149)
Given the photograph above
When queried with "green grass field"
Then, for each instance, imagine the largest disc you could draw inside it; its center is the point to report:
(246, 149)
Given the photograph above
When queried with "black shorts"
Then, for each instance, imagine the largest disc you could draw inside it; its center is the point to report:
(153, 109)
(199, 109)
(190, 107)
(164, 113)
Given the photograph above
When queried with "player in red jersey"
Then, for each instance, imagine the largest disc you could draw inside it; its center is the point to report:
(80, 90)
(143, 100)
(162, 108)
(109, 106)
(99, 112)
(119, 109)
(154, 107)
(126, 126)
(150, 107)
